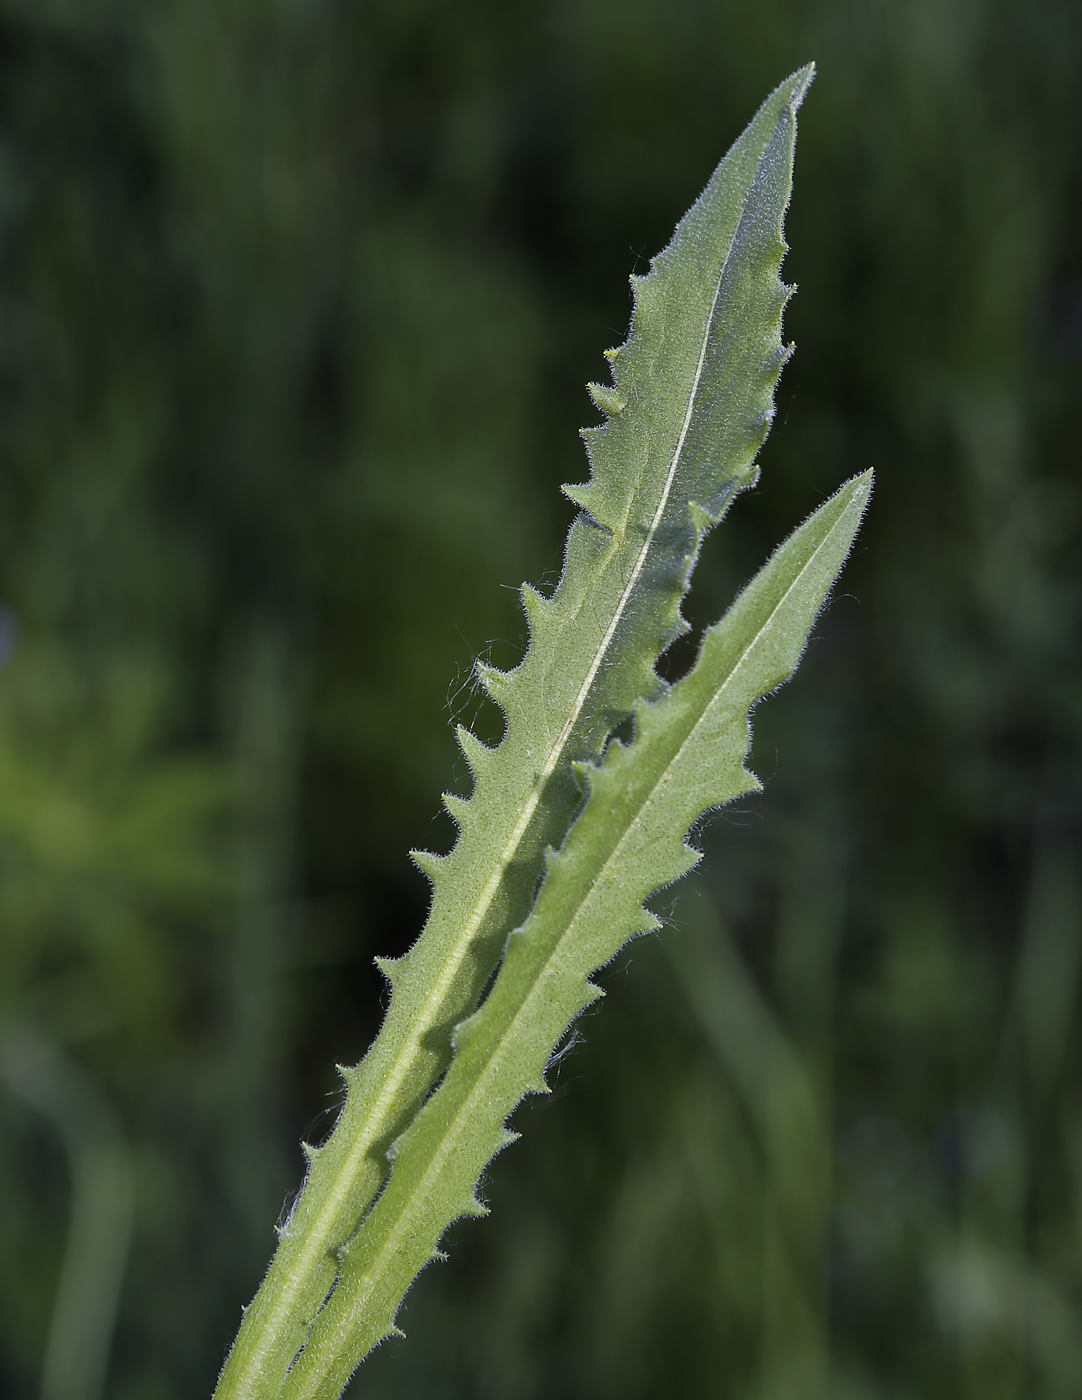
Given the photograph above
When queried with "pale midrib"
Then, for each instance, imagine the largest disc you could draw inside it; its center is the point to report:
(422, 1193)
(319, 1235)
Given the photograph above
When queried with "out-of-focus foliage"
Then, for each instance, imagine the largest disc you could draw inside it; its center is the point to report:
(296, 303)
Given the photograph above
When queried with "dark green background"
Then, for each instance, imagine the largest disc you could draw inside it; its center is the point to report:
(297, 298)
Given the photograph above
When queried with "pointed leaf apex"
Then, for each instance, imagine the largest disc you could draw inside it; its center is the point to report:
(801, 80)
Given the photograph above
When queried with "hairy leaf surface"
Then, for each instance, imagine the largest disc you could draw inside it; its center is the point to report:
(688, 756)
(690, 404)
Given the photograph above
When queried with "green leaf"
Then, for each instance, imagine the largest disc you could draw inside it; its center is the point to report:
(691, 403)
(688, 757)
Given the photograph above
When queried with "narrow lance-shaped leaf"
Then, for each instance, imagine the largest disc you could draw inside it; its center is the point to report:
(688, 756)
(690, 404)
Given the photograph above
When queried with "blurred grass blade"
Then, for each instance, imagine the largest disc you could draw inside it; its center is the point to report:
(102, 1203)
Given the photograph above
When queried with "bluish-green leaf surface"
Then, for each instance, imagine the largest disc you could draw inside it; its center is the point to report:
(689, 406)
(688, 756)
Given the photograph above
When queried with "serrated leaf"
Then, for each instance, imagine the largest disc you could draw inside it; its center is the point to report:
(688, 757)
(690, 404)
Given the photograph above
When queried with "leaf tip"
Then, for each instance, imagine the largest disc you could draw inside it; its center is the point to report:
(797, 84)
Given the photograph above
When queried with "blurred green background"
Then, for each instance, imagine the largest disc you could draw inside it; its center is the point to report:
(297, 299)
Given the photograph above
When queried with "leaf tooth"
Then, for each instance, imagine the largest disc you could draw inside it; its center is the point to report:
(551, 857)
(779, 357)
(586, 993)
(590, 498)
(311, 1153)
(390, 967)
(347, 1073)
(456, 806)
(613, 353)
(536, 606)
(463, 1032)
(493, 681)
(701, 521)
(476, 753)
(778, 298)
(645, 294)
(583, 772)
(428, 863)
(607, 398)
